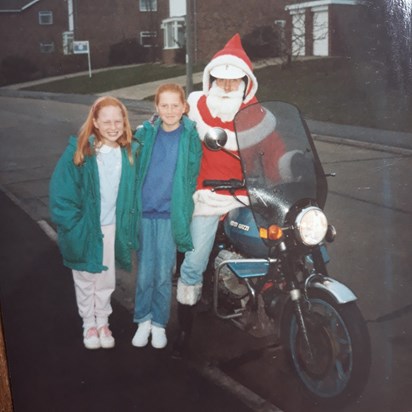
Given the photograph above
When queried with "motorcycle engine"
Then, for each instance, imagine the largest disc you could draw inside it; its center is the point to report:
(256, 322)
(227, 279)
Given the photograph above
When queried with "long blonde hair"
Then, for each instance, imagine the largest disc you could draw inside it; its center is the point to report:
(84, 148)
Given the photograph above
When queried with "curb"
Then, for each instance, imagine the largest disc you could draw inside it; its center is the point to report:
(360, 143)
(84, 99)
(249, 398)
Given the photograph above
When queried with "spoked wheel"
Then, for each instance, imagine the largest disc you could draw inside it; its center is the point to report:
(334, 368)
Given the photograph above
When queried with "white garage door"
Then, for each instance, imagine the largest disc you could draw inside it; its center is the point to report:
(321, 33)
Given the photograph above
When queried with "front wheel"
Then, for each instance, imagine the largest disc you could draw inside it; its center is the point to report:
(334, 369)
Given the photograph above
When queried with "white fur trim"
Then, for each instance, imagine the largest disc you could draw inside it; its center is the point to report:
(188, 294)
(234, 61)
(227, 71)
(260, 131)
(201, 127)
(208, 203)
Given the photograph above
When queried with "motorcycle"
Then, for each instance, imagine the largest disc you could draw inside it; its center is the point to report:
(269, 264)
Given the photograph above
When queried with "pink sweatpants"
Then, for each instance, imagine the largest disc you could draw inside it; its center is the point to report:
(94, 290)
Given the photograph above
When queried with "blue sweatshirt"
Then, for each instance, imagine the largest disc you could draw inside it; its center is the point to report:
(157, 187)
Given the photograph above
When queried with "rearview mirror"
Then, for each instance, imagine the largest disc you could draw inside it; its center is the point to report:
(215, 138)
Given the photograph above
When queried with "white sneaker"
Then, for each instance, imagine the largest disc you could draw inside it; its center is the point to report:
(159, 340)
(91, 338)
(141, 337)
(106, 337)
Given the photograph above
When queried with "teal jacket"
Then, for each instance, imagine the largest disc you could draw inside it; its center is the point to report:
(184, 181)
(74, 203)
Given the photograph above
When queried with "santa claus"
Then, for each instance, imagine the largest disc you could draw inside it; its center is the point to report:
(228, 85)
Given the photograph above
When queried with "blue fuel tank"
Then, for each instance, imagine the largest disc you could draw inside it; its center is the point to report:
(240, 227)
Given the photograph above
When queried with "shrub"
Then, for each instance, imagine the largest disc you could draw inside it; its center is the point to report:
(262, 42)
(16, 69)
(128, 51)
(180, 56)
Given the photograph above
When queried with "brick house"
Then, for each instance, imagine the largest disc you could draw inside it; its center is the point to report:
(32, 30)
(42, 31)
(39, 34)
(214, 22)
(322, 27)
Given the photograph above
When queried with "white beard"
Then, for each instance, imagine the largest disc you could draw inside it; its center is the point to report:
(224, 105)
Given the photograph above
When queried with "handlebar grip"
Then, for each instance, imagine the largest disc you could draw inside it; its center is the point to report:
(226, 184)
(214, 182)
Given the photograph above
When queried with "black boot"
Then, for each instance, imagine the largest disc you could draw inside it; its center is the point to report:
(185, 316)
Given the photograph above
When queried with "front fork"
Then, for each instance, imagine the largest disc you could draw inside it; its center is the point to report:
(297, 297)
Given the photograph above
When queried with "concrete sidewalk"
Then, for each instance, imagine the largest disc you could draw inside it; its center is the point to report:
(145, 90)
(388, 140)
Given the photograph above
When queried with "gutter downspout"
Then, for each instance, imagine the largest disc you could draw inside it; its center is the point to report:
(70, 15)
(195, 29)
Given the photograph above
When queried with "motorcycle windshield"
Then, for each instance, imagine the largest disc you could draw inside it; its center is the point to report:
(279, 161)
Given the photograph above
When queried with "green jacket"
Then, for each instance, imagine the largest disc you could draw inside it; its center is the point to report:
(74, 202)
(184, 181)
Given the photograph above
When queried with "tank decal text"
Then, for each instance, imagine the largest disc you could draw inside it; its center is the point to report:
(241, 226)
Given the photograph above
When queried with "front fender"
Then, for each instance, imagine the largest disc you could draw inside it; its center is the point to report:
(338, 291)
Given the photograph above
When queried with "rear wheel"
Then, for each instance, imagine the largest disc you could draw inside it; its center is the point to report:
(336, 367)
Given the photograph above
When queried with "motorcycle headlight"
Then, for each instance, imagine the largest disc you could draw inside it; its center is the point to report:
(311, 226)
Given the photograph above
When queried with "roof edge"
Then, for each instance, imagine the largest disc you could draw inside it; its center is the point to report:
(20, 9)
(316, 3)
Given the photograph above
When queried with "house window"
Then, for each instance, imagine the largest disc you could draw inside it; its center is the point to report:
(280, 27)
(68, 38)
(320, 31)
(148, 5)
(174, 33)
(299, 34)
(45, 17)
(46, 47)
(148, 38)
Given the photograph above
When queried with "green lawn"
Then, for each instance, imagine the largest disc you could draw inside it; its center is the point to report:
(334, 90)
(111, 79)
(338, 91)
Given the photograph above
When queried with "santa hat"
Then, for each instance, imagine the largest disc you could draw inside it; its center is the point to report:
(231, 62)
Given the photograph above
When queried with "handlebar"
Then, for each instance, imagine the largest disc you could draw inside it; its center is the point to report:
(231, 184)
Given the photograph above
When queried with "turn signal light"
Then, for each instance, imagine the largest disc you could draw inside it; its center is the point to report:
(273, 232)
(263, 233)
